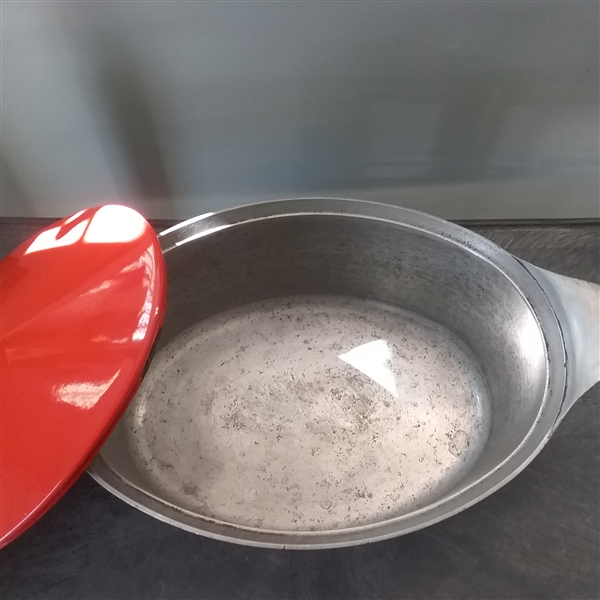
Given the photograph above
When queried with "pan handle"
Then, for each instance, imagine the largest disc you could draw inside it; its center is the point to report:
(577, 307)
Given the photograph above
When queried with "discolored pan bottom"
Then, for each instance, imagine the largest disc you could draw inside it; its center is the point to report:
(309, 413)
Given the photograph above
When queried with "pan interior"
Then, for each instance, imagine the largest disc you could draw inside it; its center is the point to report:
(309, 413)
(390, 369)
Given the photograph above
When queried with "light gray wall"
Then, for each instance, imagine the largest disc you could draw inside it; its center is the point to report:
(465, 110)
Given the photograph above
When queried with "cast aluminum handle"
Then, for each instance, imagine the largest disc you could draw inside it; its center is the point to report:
(577, 307)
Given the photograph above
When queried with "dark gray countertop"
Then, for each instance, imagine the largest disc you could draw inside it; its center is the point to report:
(537, 537)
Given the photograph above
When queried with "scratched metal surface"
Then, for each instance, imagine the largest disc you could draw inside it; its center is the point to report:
(538, 537)
(298, 428)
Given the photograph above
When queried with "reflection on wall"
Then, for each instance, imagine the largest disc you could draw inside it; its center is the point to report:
(401, 140)
(464, 110)
(551, 138)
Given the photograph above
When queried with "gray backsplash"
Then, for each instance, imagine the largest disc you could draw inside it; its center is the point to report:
(467, 110)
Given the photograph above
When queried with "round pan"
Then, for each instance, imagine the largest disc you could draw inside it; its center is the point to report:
(334, 372)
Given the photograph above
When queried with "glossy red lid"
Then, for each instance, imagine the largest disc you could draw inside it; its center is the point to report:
(81, 305)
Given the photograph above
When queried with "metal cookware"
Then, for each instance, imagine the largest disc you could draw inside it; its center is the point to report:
(333, 372)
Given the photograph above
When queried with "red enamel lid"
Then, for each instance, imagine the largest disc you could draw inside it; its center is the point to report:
(81, 305)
